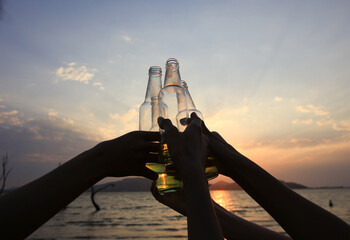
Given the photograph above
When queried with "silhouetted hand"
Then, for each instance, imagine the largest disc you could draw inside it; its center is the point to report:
(220, 149)
(188, 149)
(127, 155)
(174, 200)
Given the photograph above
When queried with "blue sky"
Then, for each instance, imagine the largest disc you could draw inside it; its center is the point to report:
(271, 76)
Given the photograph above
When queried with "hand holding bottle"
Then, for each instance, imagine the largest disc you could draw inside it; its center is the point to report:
(127, 155)
(187, 149)
(189, 153)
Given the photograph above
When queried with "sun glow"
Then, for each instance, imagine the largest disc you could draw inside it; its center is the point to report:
(223, 198)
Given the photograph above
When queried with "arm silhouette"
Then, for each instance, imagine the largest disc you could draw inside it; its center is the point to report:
(233, 227)
(188, 152)
(299, 217)
(27, 208)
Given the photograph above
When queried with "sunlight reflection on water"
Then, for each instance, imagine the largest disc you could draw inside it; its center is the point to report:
(137, 215)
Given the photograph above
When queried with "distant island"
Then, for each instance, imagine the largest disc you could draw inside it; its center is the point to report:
(137, 184)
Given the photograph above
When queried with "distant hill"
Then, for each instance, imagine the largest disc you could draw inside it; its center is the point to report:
(137, 184)
(294, 185)
(222, 185)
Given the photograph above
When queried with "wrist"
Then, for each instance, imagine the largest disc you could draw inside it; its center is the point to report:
(98, 160)
(193, 173)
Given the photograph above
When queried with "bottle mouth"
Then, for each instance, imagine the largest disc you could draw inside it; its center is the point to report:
(172, 63)
(155, 70)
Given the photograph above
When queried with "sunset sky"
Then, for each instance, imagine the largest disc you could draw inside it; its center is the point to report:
(273, 77)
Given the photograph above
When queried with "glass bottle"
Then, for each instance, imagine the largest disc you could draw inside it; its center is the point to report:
(211, 170)
(172, 100)
(183, 115)
(149, 110)
(153, 87)
(173, 94)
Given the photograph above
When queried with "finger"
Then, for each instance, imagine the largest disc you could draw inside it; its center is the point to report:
(189, 120)
(150, 136)
(154, 190)
(194, 126)
(194, 115)
(165, 124)
(152, 157)
(210, 134)
(205, 130)
(146, 157)
(218, 137)
(195, 120)
(150, 147)
(147, 173)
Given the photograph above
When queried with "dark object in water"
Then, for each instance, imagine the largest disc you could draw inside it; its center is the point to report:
(330, 203)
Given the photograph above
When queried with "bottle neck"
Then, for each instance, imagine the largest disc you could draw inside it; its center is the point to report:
(190, 103)
(155, 113)
(154, 83)
(172, 74)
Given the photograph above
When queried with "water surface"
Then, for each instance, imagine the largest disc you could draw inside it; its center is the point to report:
(137, 215)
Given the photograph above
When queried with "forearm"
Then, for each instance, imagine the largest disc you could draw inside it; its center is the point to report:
(32, 205)
(201, 219)
(234, 227)
(300, 218)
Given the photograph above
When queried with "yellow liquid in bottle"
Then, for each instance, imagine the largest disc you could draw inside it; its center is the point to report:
(168, 179)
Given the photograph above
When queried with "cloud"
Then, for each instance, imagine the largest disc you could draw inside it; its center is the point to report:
(125, 118)
(324, 122)
(316, 110)
(10, 118)
(128, 121)
(73, 72)
(303, 121)
(342, 126)
(277, 99)
(52, 113)
(40, 144)
(1, 101)
(99, 85)
(126, 38)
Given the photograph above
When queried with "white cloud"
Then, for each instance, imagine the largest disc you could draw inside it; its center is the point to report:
(99, 85)
(10, 118)
(277, 99)
(303, 121)
(128, 121)
(73, 72)
(317, 110)
(52, 113)
(126, 38)
(342, 126)
(324, 122)
(125, 118)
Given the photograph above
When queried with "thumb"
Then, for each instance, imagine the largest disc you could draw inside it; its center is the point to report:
(148, 173)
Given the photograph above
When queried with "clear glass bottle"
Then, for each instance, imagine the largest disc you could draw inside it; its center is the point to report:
(149, 110)
(183, 115)
(153, 87)
(178, 108)
(211, 170)
(173, 94)
(172, 100)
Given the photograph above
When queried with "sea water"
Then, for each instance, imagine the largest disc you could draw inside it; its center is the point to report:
(137, 215)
